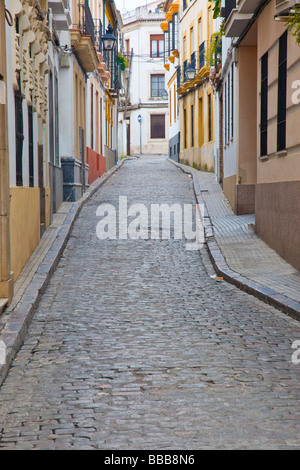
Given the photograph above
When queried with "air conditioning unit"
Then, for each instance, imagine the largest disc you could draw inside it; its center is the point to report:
(283, 7)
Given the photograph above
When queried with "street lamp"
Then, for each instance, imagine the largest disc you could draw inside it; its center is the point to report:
(108, 39)
(190, 72)
(165, 95)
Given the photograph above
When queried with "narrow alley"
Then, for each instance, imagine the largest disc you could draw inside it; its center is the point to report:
(136, 345)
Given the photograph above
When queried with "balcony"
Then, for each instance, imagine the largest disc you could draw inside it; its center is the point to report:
(236, 20)
(85, 20)
(283, 7)
(248, 6)
(60, 13)
(201, 63)
(83, 37)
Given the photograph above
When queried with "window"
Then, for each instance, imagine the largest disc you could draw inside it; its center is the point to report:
(192, 41)
(19, 135)
(200, 123)
(175, 104)
(157, 85)
(228, 107)
(170, 104)
(184, 128)
(166, 46)
(225, 111)
(209, 20)
(199, 31)
(127, 42)
(30, 146)
(209, 118)
(92, 117)
(157, 126)
(56, 135)
(281, 105)
(157, 45)
(192, 126)
(184, 49)
(175, 31)
(232, 99)
(170, 36)
(51, 118)
(264, 106)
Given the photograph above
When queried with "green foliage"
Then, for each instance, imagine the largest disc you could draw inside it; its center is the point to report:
(217, 8)
(214, 51)
(293, 22)
(122, 61)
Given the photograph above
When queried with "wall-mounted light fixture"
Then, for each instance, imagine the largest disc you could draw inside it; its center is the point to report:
(108, 39)
(190, 72)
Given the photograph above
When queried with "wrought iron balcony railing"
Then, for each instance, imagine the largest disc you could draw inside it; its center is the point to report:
(206, 56)
(229, 6)
(86, 22)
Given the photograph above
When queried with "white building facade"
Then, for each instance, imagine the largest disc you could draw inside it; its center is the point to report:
(143, 120)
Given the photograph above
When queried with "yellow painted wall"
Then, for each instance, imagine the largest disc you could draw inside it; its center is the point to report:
(200, 154)
(24, 225)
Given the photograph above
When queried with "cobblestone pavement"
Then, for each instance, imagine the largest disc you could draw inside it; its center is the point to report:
(135, 345)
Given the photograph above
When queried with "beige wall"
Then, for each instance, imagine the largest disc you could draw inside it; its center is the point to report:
(247, 113)
(24, 225)
(279, 167)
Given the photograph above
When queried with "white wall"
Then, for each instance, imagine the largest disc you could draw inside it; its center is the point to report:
(143, 66)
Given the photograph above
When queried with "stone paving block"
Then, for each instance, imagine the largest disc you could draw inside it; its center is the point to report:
(134, 345)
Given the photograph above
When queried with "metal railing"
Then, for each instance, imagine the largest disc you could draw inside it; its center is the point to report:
(98, 35)
(86, 22)
(229, 6)
(199, 59)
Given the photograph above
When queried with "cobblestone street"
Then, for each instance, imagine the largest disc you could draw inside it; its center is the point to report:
(135, 345)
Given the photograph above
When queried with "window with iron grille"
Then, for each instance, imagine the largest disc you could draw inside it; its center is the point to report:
(30, 146)
(19, 136)
(157, 45)
(157, 85)
(232, 99)
(192, 126)
(175, 30)
(264, 106)
(225, 111)
(281, 104)
(51, 118)
(209, 119)
(170, 37)
(185, 128)
(158, 126)
(228, 107)
(166, 46)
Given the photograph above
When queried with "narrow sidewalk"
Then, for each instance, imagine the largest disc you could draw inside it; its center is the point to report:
(35, 276)
(238, 254)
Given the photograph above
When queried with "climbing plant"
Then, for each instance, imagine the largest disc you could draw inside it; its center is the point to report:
(293, 22)
(217, 8)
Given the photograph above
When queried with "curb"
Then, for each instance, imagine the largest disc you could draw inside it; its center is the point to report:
(267, 295)
(20, 317)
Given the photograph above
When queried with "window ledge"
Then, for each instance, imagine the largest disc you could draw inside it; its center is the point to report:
(264, 158)
(282, 153)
